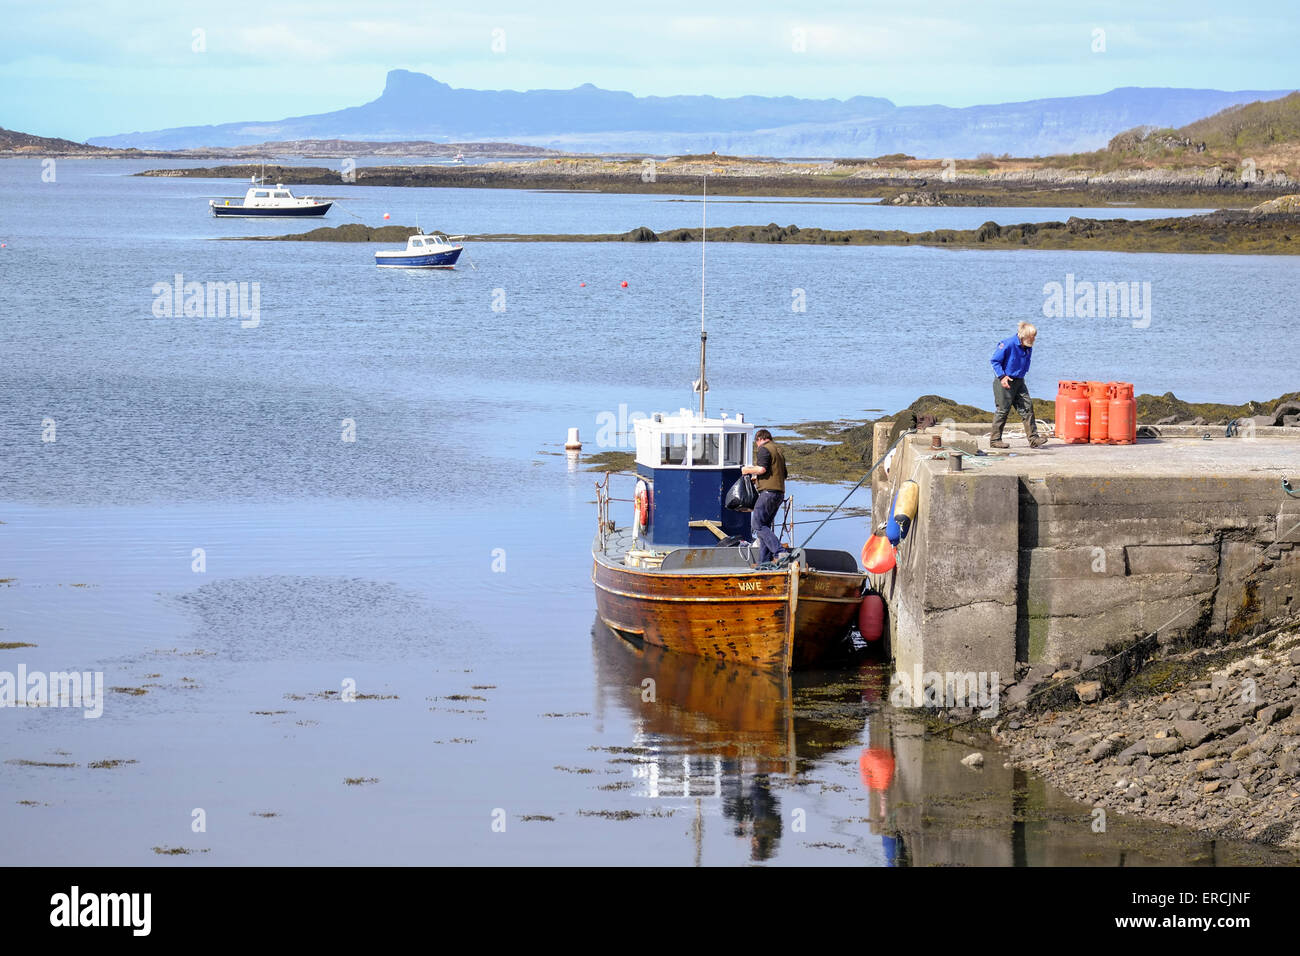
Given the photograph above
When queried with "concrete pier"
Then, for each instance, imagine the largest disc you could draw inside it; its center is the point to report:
(1043, 556)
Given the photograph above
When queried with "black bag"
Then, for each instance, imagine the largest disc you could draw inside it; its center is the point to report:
(743, 495)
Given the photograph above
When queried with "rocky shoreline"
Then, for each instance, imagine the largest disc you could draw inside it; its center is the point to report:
(962, 183)
(1206, 738)
(1268, 229)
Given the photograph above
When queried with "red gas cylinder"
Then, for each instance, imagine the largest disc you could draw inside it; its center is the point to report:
(1062, 390)
(1099, 411)
(871, 617)
(1078, 415)
(1123, 414)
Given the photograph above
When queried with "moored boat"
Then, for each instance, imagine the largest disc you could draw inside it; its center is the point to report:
(423, 251)
(675, 577)
(270, 202)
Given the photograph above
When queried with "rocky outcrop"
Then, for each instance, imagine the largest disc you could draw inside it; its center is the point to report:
(1216, 746)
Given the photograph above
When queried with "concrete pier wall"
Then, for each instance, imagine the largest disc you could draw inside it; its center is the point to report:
(1045, 556)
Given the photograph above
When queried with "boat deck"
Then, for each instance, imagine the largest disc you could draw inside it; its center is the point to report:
(620, 550)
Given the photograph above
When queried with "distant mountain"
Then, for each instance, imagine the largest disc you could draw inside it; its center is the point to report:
(414, 106)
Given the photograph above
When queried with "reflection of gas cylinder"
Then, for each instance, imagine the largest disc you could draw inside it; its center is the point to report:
(876, 767)
(871, 617)
(1099, 411)
(1123, 414)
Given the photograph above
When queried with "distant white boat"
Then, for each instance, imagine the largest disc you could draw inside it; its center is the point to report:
(262, 201)
(433, 251)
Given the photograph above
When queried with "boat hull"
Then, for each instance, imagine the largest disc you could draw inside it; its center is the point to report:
(271, 212)
(434, 260)
(792, 618)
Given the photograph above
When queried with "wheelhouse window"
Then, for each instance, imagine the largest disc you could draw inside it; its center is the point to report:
(672, 449)
(281, 195)
(704, 448)
(735, 449)
(261, 194)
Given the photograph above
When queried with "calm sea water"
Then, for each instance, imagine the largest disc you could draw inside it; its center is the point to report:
(200, 530)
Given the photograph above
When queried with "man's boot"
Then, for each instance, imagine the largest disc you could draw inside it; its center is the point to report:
(995, 437)
(1031, 430)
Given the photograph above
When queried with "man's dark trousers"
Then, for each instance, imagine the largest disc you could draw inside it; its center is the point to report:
(1005, 398)
(760, 524)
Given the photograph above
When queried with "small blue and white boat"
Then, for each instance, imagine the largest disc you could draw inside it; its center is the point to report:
(433, 251)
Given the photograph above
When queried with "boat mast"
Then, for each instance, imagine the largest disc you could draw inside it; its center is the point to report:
(702, 386)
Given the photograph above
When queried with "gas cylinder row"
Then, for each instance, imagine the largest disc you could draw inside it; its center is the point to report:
(1101, 413)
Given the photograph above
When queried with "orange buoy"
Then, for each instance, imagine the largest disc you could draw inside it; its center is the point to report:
(876, 767)
(878, 555)
(1123, 414)
(385, 215)
(1099, 413)
(582, 285)
(624, 283)
(871, 617)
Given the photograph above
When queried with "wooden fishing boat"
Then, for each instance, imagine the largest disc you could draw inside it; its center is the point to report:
(663, 583)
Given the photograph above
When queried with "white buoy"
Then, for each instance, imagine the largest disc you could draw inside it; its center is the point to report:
(573, 443)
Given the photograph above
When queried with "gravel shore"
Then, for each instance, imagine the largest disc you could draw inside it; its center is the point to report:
(1207, 738)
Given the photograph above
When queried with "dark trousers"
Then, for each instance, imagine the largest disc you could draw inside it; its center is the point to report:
(760, 524)
(1005, 398)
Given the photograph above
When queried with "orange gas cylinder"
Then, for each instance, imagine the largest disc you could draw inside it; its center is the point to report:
(1062, 390)
(871, 617)
(1078, 415)
(1099, 410)
(1123, 414)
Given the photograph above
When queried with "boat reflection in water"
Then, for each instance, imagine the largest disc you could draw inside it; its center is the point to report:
(757, 747)
(729, 733)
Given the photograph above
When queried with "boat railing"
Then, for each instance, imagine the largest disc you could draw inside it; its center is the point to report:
(604, 526)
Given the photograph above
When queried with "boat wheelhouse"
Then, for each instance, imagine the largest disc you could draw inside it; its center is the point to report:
(685, 464)
(270, 202)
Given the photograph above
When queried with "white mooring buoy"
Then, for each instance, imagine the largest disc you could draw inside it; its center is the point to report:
(573, 443)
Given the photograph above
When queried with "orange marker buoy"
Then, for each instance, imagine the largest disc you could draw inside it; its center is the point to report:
(624, 283)
(582, 285)
(878, 555)
(876, 767)
(385, 215)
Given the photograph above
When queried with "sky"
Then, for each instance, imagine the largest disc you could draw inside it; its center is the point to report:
(79, 69)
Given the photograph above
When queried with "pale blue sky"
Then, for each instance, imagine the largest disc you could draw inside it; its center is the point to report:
(78, 69)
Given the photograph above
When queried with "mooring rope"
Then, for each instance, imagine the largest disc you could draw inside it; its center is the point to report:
(870, 471)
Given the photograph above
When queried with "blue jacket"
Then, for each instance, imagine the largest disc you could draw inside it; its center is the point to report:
(1011, 358)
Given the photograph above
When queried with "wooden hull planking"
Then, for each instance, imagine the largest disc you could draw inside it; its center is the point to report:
(752, 617)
